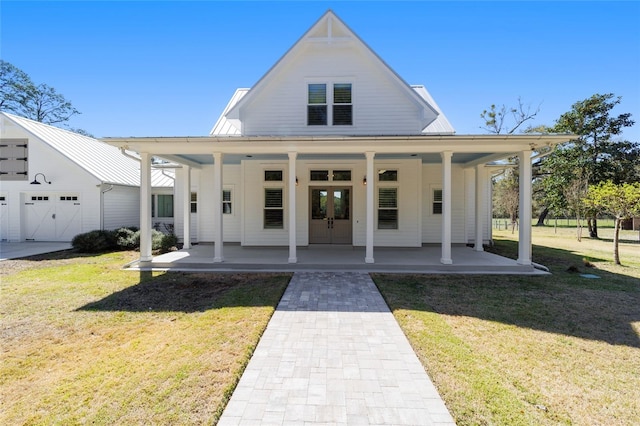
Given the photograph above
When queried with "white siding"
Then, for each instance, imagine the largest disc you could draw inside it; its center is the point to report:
(121, 207)
(253, 232)
(432, 223)
(409, 209)
(380, 106)
(202, 184)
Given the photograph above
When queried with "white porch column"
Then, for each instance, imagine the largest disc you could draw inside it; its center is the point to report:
(524, 208)
(480, 211)
(446, 208)
(371, 183)
(292, 207)
(217, 207)
(186, 207)
(145, 207)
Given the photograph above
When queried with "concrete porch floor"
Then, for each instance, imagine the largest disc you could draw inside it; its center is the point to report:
(424, 259)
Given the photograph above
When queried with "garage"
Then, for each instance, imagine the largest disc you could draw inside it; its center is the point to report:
(51, 216)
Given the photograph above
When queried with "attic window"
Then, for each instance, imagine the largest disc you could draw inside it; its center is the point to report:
(318, 111)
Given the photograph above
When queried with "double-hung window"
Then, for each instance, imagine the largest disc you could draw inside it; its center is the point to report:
(342, 106)
(226, 201)
(273, 200)
(317, 105)
(320, 113)
(437, 202)
(387, 199)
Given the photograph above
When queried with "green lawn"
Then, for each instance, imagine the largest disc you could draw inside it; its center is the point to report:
(84, 342)
(556, 349)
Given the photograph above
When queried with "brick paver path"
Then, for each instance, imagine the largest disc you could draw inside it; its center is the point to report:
(334, 354)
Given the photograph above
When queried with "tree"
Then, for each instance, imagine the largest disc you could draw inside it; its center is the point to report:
(14, 84)
(505, 120)
(496, 120)
(622, 201)
(40, 102)
(505, 193)
(594, 155)
(45, 105)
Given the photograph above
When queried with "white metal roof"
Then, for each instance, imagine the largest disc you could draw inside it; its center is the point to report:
(223, 126)
(103, 161)
(441, 125)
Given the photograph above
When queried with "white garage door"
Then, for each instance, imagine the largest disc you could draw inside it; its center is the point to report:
(4, 218)
(52, 217)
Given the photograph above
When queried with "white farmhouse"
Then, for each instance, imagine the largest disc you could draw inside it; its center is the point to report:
(55, 184)
(332, 147)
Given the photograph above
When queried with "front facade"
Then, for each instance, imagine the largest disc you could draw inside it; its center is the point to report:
(331, 146)
(56, 184)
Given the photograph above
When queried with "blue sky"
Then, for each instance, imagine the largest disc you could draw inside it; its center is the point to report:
(153, 68)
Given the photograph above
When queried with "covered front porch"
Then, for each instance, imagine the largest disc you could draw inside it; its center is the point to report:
(425, 259)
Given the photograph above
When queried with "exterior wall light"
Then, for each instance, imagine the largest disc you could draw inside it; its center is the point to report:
(35, 179)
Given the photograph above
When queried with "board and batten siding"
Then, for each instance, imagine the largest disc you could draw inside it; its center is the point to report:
(432, 223)
(379, 107)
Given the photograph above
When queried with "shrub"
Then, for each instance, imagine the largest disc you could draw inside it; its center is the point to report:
(127, 238)
(169, 242)
(94, 241)
(121, 239)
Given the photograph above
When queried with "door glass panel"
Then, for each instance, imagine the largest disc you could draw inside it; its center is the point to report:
(319, 203)
(341, 204)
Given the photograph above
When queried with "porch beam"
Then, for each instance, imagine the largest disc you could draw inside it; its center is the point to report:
(524, 208)
(186, 207)
(217, 207)
(480, 210)
(446, 208)
(145, 207)
(371, 183)
(292, 207)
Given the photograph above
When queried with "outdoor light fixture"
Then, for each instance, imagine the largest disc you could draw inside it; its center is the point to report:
(296, 180)
(364, 180)
(35, 179)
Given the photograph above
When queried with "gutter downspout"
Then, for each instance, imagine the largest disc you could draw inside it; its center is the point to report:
(102, 192)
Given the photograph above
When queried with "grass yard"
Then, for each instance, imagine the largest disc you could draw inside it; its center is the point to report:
(546, 350)
(84, 342)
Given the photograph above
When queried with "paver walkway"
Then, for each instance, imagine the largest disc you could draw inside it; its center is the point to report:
(334, 354)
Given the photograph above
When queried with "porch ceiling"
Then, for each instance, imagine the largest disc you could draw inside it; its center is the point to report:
(430, 158)
(469, 149)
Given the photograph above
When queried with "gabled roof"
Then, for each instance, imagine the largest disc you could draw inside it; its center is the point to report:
(332, 30)
(224, 127)
(103, 161)
(441, 125)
